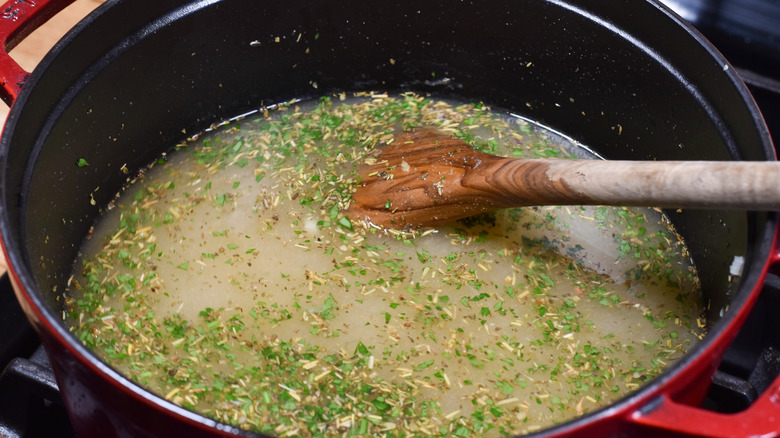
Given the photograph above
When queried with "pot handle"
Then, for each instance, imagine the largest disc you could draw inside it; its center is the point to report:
(18, 18)
(760, 419)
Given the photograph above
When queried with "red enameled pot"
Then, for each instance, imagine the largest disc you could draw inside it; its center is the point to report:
(626, 77)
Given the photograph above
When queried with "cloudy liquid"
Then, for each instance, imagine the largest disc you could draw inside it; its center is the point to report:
(227, 279)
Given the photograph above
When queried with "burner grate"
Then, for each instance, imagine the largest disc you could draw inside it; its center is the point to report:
(752, 361)
(29, 393)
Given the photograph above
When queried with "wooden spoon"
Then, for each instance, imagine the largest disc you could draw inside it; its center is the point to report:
(427, 177)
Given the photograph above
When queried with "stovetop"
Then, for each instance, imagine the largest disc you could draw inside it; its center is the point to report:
(747, 32)
(28, 391)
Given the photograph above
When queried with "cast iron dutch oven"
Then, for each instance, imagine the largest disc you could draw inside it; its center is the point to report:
(626, 77)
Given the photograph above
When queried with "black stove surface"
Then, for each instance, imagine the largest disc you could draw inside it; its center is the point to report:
(747, 32)
(30, 404)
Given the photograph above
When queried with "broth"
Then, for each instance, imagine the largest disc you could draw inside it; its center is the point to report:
(227, 279)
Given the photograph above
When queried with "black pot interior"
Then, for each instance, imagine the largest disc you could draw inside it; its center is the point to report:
(623, 78)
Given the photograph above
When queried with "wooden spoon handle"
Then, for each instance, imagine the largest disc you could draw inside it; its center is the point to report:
(752, 185)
